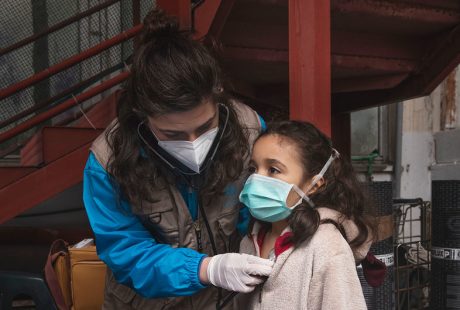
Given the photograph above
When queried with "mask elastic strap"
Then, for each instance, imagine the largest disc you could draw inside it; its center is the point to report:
(303, 196)
(335, 154)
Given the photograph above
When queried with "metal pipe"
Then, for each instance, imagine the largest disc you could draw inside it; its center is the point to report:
(398, 156)
(63, 106)
(126, 35)
(56, 27)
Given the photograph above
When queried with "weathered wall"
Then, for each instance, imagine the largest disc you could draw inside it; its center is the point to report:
(422, 117)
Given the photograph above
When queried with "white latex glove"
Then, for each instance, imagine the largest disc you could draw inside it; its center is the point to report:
(238, 272)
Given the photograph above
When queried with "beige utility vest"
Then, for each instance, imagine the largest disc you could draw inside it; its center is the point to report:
(169, 221)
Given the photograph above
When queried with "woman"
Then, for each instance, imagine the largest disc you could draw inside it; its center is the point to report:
(311, 220)
(161, 184)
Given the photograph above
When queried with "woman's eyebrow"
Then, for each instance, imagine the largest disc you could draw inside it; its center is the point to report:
(208, 122)
(272, 161)
(173, 132)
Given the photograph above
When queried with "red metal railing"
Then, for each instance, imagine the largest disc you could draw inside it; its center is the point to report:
(6, 92)
(77, 88)
(64, 106)
(181, 8)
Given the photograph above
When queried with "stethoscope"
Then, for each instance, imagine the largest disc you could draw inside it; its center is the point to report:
(176, 168)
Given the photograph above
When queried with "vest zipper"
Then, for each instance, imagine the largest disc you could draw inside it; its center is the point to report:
(222, 236)
(196, 224)
(197, 227)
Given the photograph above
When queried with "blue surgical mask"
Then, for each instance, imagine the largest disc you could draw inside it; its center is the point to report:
(266, 197)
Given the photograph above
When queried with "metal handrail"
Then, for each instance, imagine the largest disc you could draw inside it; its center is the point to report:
(61, 96)
(126, 35)
(61, 107)
(30, 123)
(56, 27)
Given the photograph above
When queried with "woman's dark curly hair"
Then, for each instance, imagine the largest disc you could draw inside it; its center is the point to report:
(341, 190)
(170, 73)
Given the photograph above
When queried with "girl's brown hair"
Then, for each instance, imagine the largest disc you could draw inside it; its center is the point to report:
(341, 190)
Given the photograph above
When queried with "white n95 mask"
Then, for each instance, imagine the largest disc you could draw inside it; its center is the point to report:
(191, 153)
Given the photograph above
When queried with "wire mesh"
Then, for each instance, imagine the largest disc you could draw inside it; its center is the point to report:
(21, 20)
(412, 245)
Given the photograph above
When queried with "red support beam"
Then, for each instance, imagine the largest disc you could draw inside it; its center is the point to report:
(203, 17)
(209, 19)
(310, 62)
(401, 10)
(255, 54)
(248, 34)
(437, 64)
(367, 83)
(377, 45)
(374, 64)
(182, 9)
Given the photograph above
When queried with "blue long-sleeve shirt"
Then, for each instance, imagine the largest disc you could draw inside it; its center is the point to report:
(123, 243)
(129, 250)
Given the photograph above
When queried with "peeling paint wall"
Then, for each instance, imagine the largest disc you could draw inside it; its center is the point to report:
(448, 115)
(422, 117)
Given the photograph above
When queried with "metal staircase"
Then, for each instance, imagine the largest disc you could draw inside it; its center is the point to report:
(50, 160)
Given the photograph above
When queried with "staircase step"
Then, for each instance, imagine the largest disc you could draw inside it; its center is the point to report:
(42, 184)
(30, 154)
(54, 142)
(10, 174)
(59, 141)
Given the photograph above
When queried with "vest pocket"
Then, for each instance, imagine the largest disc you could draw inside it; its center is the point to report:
(119, 291)
(161, 221)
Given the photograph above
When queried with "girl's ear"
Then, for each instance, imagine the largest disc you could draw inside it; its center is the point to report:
(319, 182)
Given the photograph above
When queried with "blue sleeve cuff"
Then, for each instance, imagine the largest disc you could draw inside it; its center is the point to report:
(198, 270)
(194, 269)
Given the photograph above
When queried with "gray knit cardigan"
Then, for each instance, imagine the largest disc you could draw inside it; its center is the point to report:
(318, 274)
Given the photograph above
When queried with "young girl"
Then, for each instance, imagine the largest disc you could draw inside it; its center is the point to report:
(309, 212)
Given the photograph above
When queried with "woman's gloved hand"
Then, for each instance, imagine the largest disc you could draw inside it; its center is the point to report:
(235, 272)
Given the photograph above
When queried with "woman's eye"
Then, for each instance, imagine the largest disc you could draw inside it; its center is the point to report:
(202, 130)
(273, 170)
(174, 137)
(251, 170)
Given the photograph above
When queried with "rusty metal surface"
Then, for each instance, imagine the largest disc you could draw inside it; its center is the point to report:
(382, 51)
(309, 63)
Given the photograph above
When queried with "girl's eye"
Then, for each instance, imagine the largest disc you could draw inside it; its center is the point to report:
(273, 170)
(251, 169)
